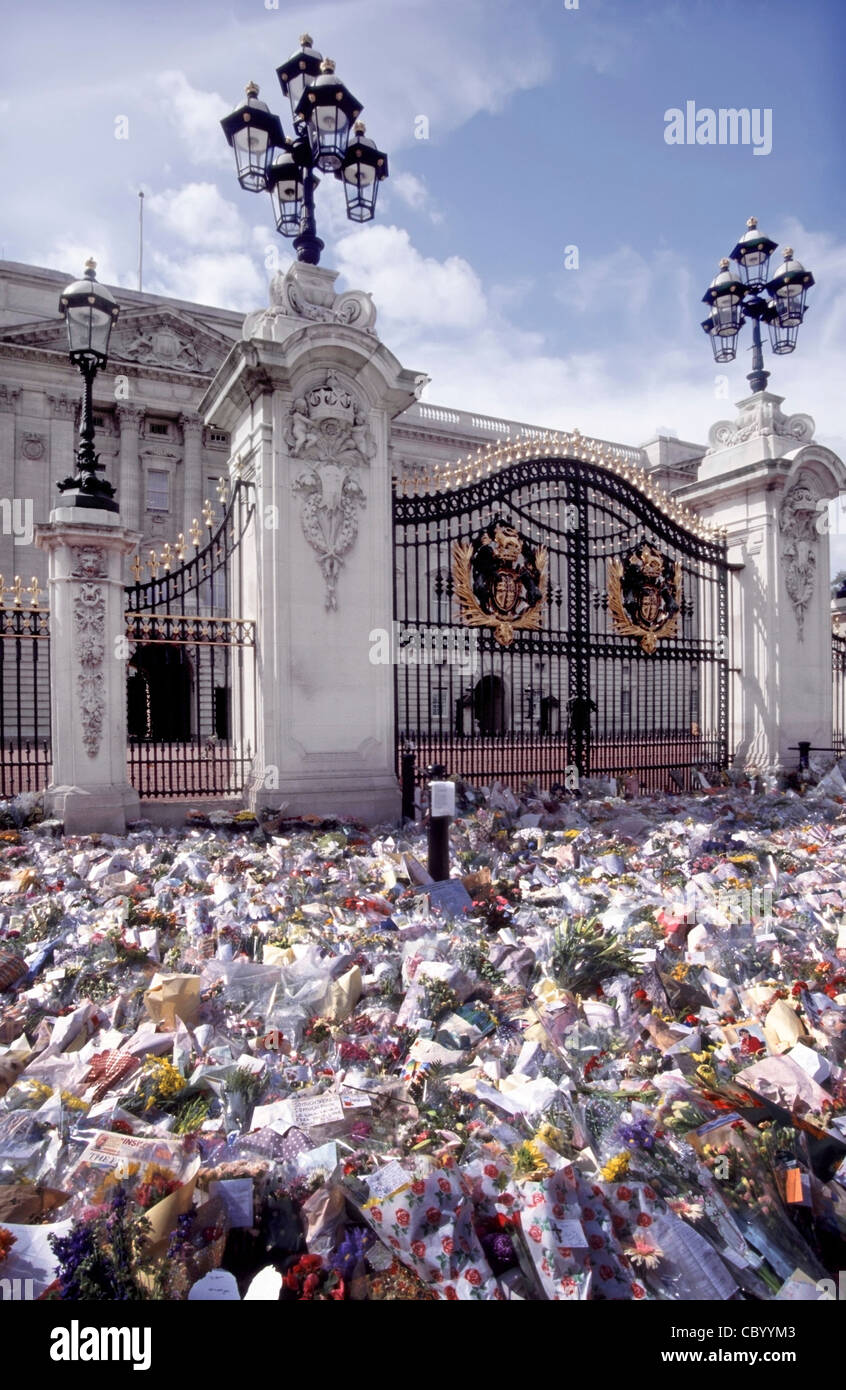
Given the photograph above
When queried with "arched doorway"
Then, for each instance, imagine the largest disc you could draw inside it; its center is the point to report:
(159, 694)
(490, 705)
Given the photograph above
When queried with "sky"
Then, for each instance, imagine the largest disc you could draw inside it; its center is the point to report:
(540, 253)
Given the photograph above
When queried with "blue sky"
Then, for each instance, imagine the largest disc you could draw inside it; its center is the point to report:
(546, 130)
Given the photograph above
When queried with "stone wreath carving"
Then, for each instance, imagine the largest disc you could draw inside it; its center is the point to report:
(89, 615)
(328, 430)
(797, 520)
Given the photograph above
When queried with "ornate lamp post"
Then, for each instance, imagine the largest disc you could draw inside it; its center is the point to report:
(89, 311)
(745, 292)
(327, 136)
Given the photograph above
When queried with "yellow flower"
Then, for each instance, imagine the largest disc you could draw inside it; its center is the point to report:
(616, 1167)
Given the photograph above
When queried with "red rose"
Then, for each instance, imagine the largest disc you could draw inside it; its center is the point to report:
(433, 1216)
(597, 1242)
(491, 1170)
(418, 1249)
(649, 1194)
(624, 1194)
(376, 1214)
(618, 1222)
(444, 1184)
(403, 1217)
(535, 1232)
(588, 1214)
(558, 1211)
(507, 1198)
(638, 1291)
(394, 1242)
(447, 1245)
(418, 1188)
(606, 1272)
(450, 1293)
(537, 1200)
(596, 1191)
(473, 1277)
(644, 1219)
(565, 1252)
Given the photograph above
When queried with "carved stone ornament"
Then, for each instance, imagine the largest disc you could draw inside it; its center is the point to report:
(327, 429)
(33, 447)
(760, 416)
(501, 581)
(303, 292)
(156, 341)
(797, 519)
(89, 562)
(89, 614)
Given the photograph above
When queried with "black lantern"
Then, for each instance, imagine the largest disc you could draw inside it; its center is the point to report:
(789, 288)
(285, 186)
(362, 171)
(779, 303)
(328, 110)
(301, 68)
(254, 134)
(725, 296)
(752, 254)
(89, 310)
(724, 346)
(324, 112)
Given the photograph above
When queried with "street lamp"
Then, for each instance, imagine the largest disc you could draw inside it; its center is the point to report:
(327, 136)
(89, 310)
(746, 292)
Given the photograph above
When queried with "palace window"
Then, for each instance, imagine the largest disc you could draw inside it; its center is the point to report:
(218, 437)
(158, 490)
(158, 427)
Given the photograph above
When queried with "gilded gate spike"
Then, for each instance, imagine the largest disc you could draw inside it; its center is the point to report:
(180, 547)
(195, 533)
(17, 590)
(153, 565)
(136, 568)
(167, 557)
(34, 591)
(223, 489)
(208, 514)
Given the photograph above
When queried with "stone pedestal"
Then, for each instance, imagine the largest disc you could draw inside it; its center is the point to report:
(307, 398)
(88, 653)
(768, 484)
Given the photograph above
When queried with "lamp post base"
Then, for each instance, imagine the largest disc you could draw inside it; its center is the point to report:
(89, 499)
(308, 248)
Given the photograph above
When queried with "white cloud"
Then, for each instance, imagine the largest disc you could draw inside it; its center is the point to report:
(411, 291)
(196, 116)
(229, 280)
(199, 215)
(410, 189)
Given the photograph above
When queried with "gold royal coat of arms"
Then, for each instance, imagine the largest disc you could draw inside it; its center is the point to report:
(644, 596)
(501, 581)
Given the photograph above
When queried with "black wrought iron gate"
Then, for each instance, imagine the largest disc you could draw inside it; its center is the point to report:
(553, 621)
(190, 727)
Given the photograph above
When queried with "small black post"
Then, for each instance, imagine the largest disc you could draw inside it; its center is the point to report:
(407, 761)
(804, 751)
(441, 811)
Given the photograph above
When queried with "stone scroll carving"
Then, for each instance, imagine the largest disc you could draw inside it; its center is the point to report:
(327, 429)
(89, 619)
(760, 416)
(798, 515)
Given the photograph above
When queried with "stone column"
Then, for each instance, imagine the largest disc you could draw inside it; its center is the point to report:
(89, 790)
(768, 484)
(131, 481)
(193, 483)
(308, 401)
(9, 397)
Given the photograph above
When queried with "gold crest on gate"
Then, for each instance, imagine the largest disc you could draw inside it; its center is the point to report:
(501, 581)
(644, 596)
